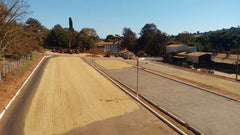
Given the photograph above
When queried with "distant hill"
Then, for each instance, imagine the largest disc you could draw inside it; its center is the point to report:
(235, 30)
(224, 40)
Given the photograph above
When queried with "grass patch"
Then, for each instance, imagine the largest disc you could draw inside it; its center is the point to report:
(19, 71)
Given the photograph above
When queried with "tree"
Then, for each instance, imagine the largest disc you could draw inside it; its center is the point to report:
(118, 38)
(11, 11)
(34, 25)
(58, 37)
(129, 39)
(152, 40)
(147, 35)
(85, 39)
(186, 38)
(90, 32)
(25, 43)
(86, 42)
(70, 25)
(204, 41)
(158, 45)
(110, 38)
(224, 41)
(149, 29)
(36, 30)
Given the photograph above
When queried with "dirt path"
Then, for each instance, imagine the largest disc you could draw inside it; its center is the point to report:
(73, 98)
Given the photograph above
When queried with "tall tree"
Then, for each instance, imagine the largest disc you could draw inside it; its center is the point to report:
(34, 25)
(186, 38)
(147, 35)
(129, 39)
(86, 39)
(11, 11)
(36, 30)
(158, 45)
(118, 38)
(58, 37)
(71, 24)
(90, 32)
(110, 38)
(152, 40)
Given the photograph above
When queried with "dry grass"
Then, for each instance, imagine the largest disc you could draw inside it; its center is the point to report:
(222, 84)
(208, 81)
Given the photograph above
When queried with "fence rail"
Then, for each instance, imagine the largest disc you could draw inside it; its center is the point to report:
(9, 67)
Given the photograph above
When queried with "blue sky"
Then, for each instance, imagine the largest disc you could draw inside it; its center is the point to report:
(111, 16)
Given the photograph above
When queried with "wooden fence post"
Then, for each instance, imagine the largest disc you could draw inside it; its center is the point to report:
(6, 69)
(4, 74)
(9, 65)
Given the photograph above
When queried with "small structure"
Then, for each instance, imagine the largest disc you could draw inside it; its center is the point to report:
(108, 46)
(152, 58)
(180, 58)
(100, 45)
(199, 58)
(226, 62)
(126, 54)
(192, 49)
(172, 52)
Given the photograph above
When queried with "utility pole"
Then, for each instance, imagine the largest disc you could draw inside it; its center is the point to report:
(237, 68)
(137, 74)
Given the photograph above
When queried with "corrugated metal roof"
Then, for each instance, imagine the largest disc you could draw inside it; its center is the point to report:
(175, 45)
(194, 56)
(182, 53)
(127, 52)
(179, 57)
(198, 53)
(102, 43)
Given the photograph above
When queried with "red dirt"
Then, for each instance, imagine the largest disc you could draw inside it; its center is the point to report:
(10, 85)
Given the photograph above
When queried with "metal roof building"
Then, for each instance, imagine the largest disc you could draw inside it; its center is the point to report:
(199, 57)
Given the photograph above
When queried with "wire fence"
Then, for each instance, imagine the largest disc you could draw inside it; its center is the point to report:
(9, 66)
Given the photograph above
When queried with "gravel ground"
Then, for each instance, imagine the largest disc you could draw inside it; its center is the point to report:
(72, 98)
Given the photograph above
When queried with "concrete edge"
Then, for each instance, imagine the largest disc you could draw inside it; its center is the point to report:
(135, 98)
(20, 89)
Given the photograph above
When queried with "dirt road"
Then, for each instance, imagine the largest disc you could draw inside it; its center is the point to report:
(72, 98)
